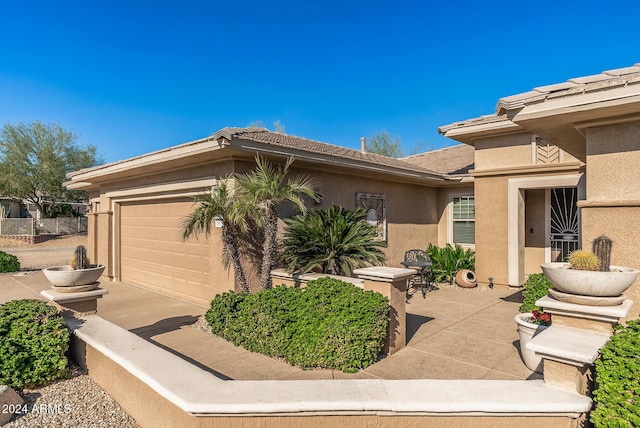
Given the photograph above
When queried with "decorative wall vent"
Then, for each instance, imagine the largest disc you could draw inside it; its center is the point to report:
(376, 209)
(546, 152)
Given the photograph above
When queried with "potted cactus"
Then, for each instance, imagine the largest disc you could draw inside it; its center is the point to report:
(80, 275)
(590, 273)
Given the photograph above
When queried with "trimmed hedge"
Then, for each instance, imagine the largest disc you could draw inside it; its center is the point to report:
(8, 263)
(617, 395)
(329, 324)
(33, 342)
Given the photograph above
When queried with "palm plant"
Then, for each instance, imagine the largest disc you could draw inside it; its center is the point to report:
(219, 204)
(264, 188)
(447, 261)
(334, 241)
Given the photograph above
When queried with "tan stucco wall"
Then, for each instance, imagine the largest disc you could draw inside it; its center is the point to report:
(613, 196)
(412, 210)
(491, 230)
(620, 224)
(613, 154)
(503, 151)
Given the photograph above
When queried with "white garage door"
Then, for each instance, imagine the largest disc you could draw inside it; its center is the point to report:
(153, 255)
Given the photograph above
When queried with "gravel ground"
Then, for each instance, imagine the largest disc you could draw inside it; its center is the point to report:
(75, 402)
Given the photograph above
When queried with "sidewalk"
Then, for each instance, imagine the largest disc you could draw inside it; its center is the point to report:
(454, 333)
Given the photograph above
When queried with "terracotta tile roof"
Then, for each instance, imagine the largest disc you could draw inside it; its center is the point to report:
(262, 135)
(454, 161)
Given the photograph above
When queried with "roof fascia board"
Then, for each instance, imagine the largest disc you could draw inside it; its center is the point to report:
(174, 153)
(469, 133)
(528, 169)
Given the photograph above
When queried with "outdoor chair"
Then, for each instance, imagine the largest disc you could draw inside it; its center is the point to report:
(423, 279)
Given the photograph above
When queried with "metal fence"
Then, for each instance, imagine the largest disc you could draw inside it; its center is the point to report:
(16, 226)
(31, 226)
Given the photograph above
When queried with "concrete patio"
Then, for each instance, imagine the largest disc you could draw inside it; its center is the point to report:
(454, 333)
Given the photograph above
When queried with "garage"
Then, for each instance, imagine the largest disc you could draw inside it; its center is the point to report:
(153, 255)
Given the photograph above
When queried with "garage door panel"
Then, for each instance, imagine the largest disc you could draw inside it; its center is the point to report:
(153, 254)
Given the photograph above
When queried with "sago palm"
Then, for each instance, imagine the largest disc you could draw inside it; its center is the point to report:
(264, 188)
(219, 205)
(333, 241)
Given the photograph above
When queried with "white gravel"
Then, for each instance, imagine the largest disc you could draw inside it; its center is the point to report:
(75, 402)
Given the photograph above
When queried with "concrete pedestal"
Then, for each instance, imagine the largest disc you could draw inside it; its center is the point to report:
(79, 304)
(392, 283)
(570, 346)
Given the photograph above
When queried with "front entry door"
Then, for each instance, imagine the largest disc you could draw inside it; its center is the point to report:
(564, 225)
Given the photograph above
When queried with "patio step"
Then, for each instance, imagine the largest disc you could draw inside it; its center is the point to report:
(568, 345)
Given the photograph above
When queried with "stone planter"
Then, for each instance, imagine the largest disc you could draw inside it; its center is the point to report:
(466, 278)
(66, 276)
(589, 283)
(526, 331)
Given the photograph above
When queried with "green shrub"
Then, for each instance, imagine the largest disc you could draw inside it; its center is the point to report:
(33, 342)
(447, 261)
(536, 287)
(329, 324)
(618, 380)
(8, 263)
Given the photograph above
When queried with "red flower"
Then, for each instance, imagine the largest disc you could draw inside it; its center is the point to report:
(541, 317)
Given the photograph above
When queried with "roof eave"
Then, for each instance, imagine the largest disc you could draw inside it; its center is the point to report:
(468, 132)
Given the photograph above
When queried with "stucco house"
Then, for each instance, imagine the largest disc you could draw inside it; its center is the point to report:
(137, 205)
(546, 173)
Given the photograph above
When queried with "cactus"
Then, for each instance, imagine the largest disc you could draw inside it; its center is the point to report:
(602, 248)
(80, 259)
(584, 260)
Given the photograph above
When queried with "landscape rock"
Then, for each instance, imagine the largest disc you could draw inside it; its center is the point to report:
(9, 401)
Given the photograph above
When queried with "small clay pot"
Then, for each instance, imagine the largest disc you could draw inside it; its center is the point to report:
(466, 278)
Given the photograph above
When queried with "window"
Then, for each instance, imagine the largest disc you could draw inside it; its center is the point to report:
(464, 220)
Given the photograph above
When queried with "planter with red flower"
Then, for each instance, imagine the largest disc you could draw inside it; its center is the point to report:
(531, 321)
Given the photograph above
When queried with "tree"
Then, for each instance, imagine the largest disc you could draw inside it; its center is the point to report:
(277, 125)
(334, 241)
(219, 204)
(383, 144)
(264, 188)
(34, 162)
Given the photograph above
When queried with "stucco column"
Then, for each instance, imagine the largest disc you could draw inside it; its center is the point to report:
(101, 246)
(392, 283)
(612, 206)
(75, 304)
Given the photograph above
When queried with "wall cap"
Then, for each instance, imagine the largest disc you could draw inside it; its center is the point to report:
(200, 393)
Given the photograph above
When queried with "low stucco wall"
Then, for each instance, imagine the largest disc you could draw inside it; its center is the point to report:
(143, 379)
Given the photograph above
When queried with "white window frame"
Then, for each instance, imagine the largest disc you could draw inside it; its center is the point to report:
(451, 221)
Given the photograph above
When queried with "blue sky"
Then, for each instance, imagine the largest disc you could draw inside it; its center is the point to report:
(132, 77)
